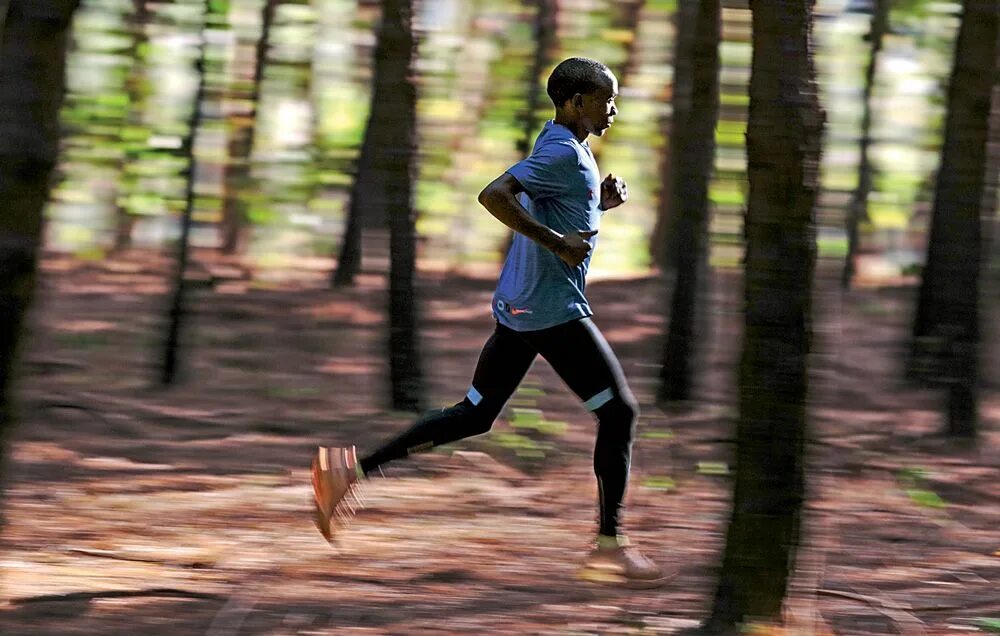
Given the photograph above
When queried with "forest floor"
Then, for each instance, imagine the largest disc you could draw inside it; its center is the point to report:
(136, 509)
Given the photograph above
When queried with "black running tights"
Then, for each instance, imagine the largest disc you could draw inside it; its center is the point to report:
(581, 356)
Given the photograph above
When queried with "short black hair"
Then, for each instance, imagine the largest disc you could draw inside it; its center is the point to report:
(575, 75)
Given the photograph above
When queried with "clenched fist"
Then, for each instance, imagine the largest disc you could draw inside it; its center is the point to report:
(575, 247)
(614, 192)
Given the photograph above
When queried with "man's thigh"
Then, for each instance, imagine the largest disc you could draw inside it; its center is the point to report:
(582, 357)
(503, 363)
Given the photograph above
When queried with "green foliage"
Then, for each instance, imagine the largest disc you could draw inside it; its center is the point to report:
(713, 468)
(991, 625)
(926, 498)
(734, 99)
(911, 479)
(726, 195)
(529, 418)
(530, 391)
(912, 474)
(730, 133)
(130, 98)
(656, 434)
(659, 483)
(831, 246)
(522, 445)
(667, 6)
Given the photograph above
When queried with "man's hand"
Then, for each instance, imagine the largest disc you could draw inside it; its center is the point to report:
(574, 247)
(614, 192)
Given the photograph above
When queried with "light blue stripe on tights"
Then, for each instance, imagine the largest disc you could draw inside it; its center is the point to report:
(599, 400)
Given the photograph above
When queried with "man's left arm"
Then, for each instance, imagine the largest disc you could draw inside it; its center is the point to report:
(614, 192)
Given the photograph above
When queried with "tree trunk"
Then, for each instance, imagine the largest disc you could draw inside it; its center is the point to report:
(663, 241)
(946, 329)
(783, 158)
(694, 139)
(990, 272)
(392, 127)
(33, 42)
(545, 41)
(546, 20)
(178, 302)
(349, 261)
(626, 14)
(631, 12)
(858, 210)
(241, 143)
(365, 196)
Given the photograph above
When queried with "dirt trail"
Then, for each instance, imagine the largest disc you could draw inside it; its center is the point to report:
(132, 509)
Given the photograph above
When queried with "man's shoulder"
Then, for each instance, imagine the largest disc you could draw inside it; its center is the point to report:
(562, 150)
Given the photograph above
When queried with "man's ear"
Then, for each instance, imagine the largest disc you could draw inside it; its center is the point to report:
(578, 100)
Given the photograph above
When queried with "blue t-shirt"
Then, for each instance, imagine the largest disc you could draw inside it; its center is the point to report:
(562, 189)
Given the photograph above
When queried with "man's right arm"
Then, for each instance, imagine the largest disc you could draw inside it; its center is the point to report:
(500, 199)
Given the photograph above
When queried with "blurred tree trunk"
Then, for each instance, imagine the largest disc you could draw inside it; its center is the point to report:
(625, 19)
(857, 213)
(393, 157)
(663, 240)
(243, 127)
(694, 140)
(946, 328)
(349, 260)
(991, 218)
(135, 92)
(368, 202)
(784, 137)
(631, 12)
(546, 12)
(546, 21)
(178, 301)
(33, 42)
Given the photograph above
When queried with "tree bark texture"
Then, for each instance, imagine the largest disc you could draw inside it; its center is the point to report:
(663, 241)
(784, 137)
(946, 328)
(694, 140)
(369, 202)
(33, 42)
(990, 272)
(394, 164)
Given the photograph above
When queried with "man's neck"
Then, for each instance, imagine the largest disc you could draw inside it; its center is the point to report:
(574, 127)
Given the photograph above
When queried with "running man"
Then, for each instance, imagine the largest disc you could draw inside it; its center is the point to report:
(553, 200)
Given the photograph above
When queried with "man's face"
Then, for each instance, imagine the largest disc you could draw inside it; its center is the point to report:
(597, 109)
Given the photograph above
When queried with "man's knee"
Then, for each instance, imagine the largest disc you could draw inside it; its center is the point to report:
(619, 415)
(478, 418)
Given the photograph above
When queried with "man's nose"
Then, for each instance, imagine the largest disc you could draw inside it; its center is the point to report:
(614, 110)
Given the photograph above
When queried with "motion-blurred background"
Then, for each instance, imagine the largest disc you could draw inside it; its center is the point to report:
(226, 279)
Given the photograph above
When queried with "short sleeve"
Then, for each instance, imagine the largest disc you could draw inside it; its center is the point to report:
(548, 171)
